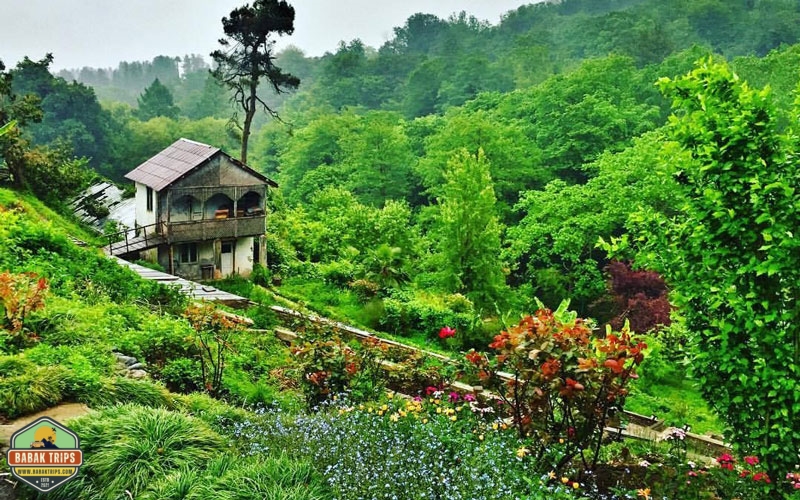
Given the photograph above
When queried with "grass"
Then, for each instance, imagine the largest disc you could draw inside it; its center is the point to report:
(129, 447)
(60, 223)
(678, 403)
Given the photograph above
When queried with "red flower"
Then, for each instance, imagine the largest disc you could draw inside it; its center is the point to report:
(550, 367)
(473, 357)
(430, 390)
(446, 332)
(751, 460)
(761, 476)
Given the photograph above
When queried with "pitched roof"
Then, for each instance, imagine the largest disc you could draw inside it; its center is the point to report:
(177, 160)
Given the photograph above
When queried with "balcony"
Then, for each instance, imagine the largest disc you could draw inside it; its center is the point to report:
(210, 229)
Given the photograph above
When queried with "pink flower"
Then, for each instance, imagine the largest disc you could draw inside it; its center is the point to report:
(469, 397)
(453, 397)
(751, 460)
(761, 476)
(430, 390)
(446, 332)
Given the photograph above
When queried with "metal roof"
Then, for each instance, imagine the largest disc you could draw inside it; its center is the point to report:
(177, 160)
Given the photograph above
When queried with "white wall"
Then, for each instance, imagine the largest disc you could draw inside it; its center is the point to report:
(243, 263)
(143, 217)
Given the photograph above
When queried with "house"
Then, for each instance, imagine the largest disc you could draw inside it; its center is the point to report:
(199, 212)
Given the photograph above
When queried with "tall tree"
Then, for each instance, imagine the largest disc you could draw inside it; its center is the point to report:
(733, 259)
(468, 230)
(248, 57)
(19, 111)
(156, 100)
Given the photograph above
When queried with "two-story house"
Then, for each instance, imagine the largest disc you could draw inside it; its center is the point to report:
(199, 212)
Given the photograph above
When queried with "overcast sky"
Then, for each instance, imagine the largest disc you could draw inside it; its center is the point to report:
(101, 33)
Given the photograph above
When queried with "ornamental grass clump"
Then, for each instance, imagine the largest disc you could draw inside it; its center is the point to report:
(128, 447)
(560, 382)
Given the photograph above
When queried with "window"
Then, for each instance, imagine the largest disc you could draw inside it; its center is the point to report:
(149, 199)
(187, 253)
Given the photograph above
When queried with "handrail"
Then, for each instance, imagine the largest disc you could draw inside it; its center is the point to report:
(116, 238)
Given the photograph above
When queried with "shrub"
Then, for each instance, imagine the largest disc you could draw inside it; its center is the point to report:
(159, 340)
(338, 272)
(426, 315)
(563, 380)
(20, 295)
(121, 390)
(328, 365)
(261, 275)
(31, 391)
(182, 375)
(214, 333)
(129, 447)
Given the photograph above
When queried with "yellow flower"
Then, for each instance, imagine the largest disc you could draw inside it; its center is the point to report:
(438, 410)
(480, 437)
(576, 485)
(402, 413)
(565, 480)
(495, 426)
(561, 441)
(424, 420)
(394, 417)
(380, 413)
(361, 407)
(437, 401)
(522, 452)
(389, 395)
(385, 407)
(453, 418)
(504, 426)
(644, 492)
(551, 475)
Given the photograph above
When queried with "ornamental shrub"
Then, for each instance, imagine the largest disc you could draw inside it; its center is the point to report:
(559, 380)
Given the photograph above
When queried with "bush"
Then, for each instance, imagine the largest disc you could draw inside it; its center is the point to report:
(559, 381)
(121, 390)
(31, 391)
(159, 340)
(426, 315)
(338, 273)
(129, 447)
(182, 375)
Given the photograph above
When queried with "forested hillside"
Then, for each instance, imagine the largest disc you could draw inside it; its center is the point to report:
(635, 157)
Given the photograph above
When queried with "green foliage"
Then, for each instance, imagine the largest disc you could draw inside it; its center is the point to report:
(731, 258)
(158, 340)
(554, 244)
(424, 315)
(468, 231)
(156, 100)
(30, 389)
(132, 446)
(562, 382)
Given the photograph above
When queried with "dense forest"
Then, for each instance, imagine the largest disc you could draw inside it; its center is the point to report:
(464, 173)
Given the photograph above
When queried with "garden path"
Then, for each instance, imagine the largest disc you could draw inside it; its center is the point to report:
(59, 413)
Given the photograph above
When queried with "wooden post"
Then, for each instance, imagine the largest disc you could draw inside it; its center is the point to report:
(171, 259)
(217, 258)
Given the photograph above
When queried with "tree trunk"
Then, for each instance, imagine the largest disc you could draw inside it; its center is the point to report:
(249, 113)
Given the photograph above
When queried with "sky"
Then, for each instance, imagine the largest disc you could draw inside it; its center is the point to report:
(101, 33)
